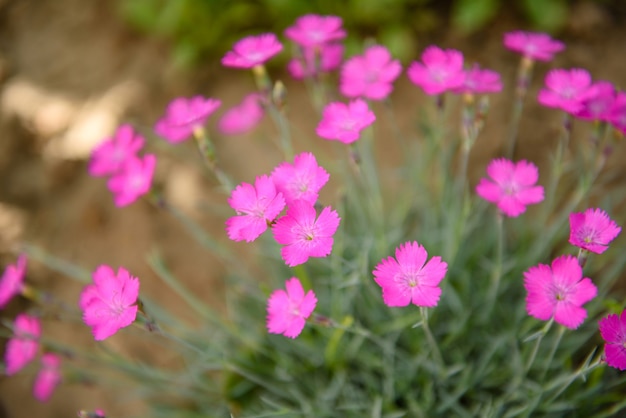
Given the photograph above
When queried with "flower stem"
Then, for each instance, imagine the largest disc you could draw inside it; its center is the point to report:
(557, 167)
(431, 339)
(207, 150)
(497, 268)
(524, 76)
(555, 346)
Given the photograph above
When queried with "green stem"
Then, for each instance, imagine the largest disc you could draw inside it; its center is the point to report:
(431, 339)
(207, 151)
(555, 346)
(497, 268)
(524, 77)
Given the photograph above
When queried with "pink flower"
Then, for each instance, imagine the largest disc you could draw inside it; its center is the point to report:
(343, 122)
(479, 81)
(408, 278)
(301, 180)
(511, 187)
(441, 70)
(592, 230)
(108, 157)
(287, 311)
(558, 292)
(322, 59)
(11, 283)
(22, 348)
(613, 331)
(617, 113)
(536, 46)
(599, 104)
(313, 30)
(566, 89)
(243, 117)
(183, 116)
(302, 235)
(109, 303)
(370, 75)
(256, 206)
(133, 180)
(252, 50)
(48, 377)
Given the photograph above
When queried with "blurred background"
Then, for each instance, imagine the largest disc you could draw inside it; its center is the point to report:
(71, 71)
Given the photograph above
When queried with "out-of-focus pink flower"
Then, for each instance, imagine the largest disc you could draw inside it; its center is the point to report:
(478, 81)
(314, 60)
(243, 117)
(314, 30)
(439, 71)
(592, 230)
(566, 89)
(98, 413)
(109, 303)
(133, 180)
(598, 106)
(512, 186)
(343, 122)
(303, 235)
(301, 180)
(108, 157)
(558, 291)
(23, 346)
(617, 113)
(370, 75)
(287, 311)
(252, 51)
(48, 378)
(12, 281)
(536, 46)
(408, 278)
(256, 206)
(613, 331)
(183, 116)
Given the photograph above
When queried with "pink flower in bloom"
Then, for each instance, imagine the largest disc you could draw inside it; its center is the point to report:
(12, 281)
(592, 230)
(301, 180)
(183, 116)
(598, 106)
(558, 291)
(108, 157)
(370, 75)
(133, 180)
(478, 81)
(324, 58)
(287, 311)
(252, 50)
(617, 113)
(440, 71)
(566, 89)
(109, 303)
(536, 46)
(302, 235)
(243, 117)
(48, 377)
(256, 206)
(511, 187)
(408, 278)
(22, 348)
(613, 331)
(313, 30)
(343, 122)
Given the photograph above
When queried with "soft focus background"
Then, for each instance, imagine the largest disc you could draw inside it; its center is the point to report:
(71, 71)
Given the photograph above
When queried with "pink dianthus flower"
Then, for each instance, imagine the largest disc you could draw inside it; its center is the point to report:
(617, 113)
(370, 75)
(439, 71)
(613, 331)
(301, 180)
(322, 59)
(566, 89)
(108, 157)
(109, 303)
(256, 206)
(478, 81)
(343, 122)
(183, 116)
(243, 117)
(287, 311)
(314, 30)
(48, 378)
(408, 278)
(302, 235)
(23, 346)
(252, 51)
(511, 187)
(133, 180)
(12, 281)
(592, 230)
(558, 291)
(536, 46)
(598, 106)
